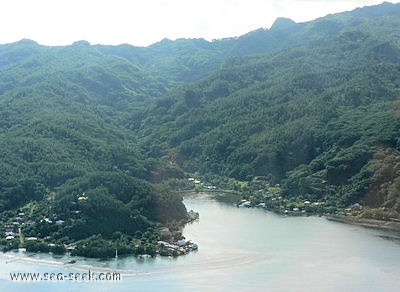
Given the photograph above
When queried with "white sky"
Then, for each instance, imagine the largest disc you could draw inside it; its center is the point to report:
(143, 22)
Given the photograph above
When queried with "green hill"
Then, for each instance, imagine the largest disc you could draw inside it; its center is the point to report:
(64, 136)
(93, 137)
(310, 116)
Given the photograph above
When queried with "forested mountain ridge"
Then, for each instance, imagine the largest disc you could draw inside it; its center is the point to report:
(89, 133)
(67, 153)
(311, 116)
(186, 60)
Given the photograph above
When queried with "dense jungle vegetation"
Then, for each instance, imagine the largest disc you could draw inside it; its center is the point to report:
(94, 136)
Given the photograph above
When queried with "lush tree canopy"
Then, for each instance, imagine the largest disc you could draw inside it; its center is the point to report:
(89, 134)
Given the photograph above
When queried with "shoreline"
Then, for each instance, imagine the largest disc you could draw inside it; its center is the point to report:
(365, 222)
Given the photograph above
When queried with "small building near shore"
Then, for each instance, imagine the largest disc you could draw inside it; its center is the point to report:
(32, 238)
(165, 233)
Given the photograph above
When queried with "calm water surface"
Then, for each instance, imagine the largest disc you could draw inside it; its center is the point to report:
(240, 250)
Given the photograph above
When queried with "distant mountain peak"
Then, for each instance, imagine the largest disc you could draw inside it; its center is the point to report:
(27, 42)
(282, 23)
(82, 43)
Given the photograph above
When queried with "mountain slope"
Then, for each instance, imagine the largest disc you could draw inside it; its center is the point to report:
(187, 60)
(90, 134)
(310, 116)
(64, 135)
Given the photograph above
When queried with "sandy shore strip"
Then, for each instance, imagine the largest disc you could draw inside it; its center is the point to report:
(368, 223)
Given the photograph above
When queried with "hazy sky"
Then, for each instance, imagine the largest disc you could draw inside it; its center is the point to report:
(137, 22)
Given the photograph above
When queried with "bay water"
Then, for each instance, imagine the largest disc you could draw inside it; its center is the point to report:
(240, 249)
